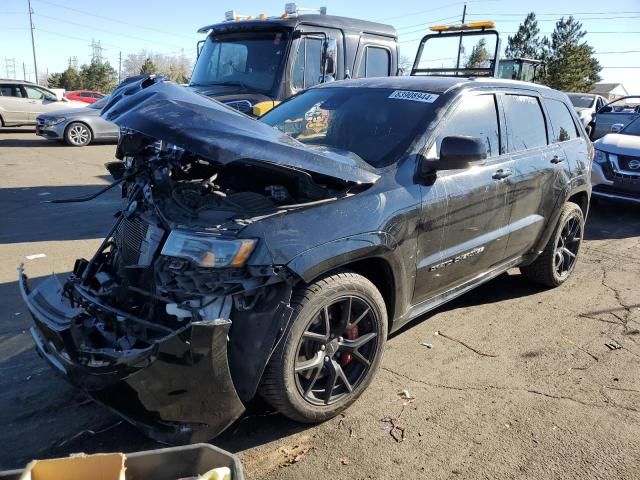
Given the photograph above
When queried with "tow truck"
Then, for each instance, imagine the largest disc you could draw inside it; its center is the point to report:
(252, 63)
(486, 63)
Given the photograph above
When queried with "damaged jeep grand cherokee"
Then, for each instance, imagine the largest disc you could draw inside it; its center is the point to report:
(275, 256)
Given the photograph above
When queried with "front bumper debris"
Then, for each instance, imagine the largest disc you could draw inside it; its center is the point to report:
(178, 389)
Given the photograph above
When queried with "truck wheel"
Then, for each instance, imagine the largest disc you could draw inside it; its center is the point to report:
(77, 134)
(557, 261)
(332, 350)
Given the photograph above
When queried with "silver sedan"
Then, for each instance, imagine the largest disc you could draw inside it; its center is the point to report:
(77, 127)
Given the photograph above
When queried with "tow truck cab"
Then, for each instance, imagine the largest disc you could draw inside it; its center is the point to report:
(252, 63)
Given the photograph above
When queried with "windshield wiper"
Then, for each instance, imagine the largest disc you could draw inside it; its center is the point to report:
(230, 83)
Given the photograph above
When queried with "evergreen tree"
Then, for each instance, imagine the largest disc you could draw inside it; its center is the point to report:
(571, 66)
(480, 56)
(69, 80)
(526, 42)
(148, 67)
(98, 76)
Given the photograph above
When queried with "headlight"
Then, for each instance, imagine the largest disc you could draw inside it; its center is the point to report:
(600, 157)
(49, 122)
(208, 251)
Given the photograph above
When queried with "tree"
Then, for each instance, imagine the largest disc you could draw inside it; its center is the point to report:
(571, 66)
(526, 42)
(98, 76)
(405, 64)
(69, 80)
(174, 67)
(480, 56)
(148, 67)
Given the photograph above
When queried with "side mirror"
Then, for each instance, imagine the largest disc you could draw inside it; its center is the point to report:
(199, 48)
(617, 127)
(606, 109)
(458, 152)
(330, 57)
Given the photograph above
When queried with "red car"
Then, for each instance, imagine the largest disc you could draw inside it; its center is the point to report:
(87, 96)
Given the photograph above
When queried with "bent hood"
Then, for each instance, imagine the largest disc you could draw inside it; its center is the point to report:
(619, 144)
(170, 112)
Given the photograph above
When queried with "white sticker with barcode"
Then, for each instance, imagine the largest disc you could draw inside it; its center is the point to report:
(415, 96)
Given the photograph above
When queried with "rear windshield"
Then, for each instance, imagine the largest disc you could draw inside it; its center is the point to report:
(377, 125)
(581, 101)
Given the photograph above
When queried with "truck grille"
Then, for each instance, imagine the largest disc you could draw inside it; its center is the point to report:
(129, 238)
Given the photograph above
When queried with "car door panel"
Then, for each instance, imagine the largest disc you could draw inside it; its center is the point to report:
(467, 235)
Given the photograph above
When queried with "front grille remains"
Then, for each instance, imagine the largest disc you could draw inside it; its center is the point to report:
(129, 238)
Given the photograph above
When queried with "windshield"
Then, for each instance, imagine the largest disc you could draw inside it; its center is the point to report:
(633, 128)
(98, 104)
(581, 101)
(250, 60)
(375, 124)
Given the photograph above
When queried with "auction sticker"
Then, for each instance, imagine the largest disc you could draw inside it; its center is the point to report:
(415, 96)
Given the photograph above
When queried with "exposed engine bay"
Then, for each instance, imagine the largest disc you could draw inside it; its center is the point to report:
(148, 294)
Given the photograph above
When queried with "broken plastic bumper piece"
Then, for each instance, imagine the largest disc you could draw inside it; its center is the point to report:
(177, 388)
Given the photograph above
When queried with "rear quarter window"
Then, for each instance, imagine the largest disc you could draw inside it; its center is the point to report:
(563, 127)
(526, 126)
(376, 63)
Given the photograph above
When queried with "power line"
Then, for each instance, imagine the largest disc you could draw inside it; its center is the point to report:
(103, 30)
(116, 20)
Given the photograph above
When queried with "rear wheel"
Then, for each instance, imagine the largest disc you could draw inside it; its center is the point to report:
(557, 261)
(332, 350)
(78, 135)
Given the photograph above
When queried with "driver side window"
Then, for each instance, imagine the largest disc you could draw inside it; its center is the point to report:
(307, 66)
(476, 116)
(36, 93)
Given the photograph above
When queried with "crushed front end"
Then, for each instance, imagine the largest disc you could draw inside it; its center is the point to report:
(146, 325)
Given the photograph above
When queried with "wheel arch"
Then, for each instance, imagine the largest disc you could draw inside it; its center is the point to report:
(582, 200)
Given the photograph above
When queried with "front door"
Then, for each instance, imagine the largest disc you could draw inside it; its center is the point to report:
(467, 236)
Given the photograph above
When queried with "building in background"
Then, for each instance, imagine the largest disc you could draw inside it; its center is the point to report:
(610, 91)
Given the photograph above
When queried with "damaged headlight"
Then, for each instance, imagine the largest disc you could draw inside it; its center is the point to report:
(208, 251)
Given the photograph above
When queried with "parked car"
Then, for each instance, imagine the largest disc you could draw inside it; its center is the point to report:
(615, 115)
(21, 102)
(248, 259)
(616, 167)
(87, 96)
(77, 127)
(586, 104)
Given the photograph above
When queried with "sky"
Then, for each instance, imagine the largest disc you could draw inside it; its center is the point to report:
(65, 29)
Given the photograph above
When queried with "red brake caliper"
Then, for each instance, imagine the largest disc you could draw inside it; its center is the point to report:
(351, 334)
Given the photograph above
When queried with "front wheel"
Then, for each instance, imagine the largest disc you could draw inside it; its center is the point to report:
(558, 259)
(78, 135)
(332, 350)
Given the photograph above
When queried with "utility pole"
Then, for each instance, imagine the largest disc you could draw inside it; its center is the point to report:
(464, 16)
(33, 42)
(10, 67)
(24, 71)
(119, 66)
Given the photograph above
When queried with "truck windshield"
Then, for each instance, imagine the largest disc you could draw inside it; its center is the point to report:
(249, 60)
(376, 124)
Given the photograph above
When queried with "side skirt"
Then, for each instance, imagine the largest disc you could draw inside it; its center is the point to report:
(442, 298)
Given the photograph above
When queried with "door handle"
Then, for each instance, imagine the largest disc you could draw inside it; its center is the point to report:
(556, 159)
(502, 173)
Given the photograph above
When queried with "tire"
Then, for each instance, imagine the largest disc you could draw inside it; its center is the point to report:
(558, 259)
(78, 134)
(309, 395)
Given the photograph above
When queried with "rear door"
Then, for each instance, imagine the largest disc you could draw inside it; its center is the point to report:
(538, 179)
(466, 237)
(13, 104)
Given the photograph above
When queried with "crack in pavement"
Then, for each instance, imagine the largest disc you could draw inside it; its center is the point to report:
(609, 403)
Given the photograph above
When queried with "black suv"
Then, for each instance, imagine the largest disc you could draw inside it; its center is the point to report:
(275, 256)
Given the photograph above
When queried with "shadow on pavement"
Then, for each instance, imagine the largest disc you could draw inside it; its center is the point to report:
(612, 220)
(27, 218)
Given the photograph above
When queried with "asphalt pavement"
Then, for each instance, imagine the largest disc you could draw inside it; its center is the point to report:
(520, 382)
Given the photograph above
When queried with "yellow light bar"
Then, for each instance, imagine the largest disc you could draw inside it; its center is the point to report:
(463, 26)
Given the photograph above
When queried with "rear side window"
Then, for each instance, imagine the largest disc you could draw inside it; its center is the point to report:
(477, 116)
(307, 66)
(375, 63)
(525, 122)
(562, 124)
(10, 91)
